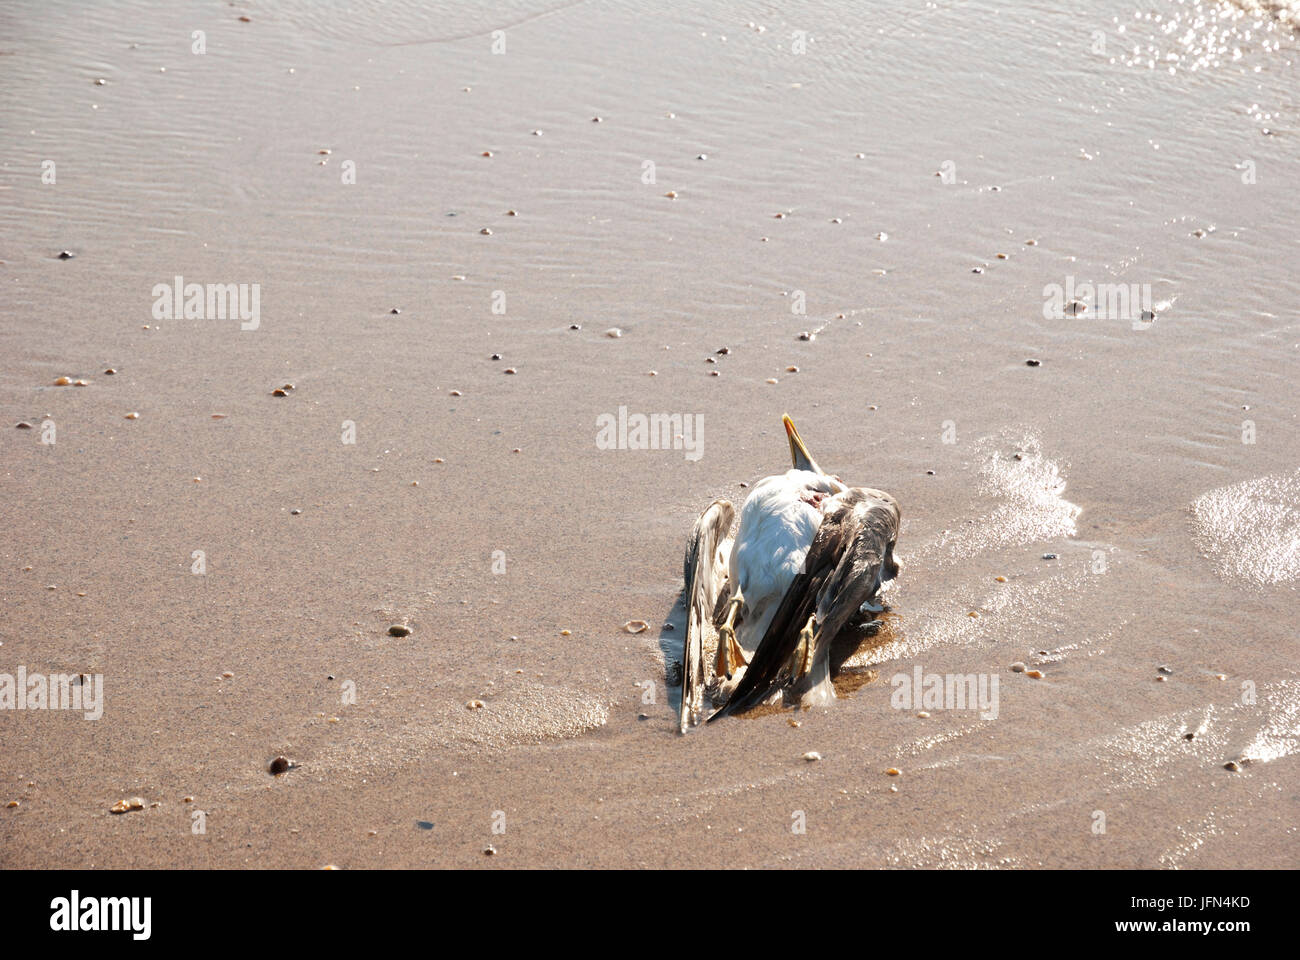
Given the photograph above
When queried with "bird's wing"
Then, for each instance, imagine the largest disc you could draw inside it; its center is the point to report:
(705, 572)
(843, 569)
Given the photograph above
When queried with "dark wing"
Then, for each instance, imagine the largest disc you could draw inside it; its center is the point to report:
(705, 572)
(851, 555)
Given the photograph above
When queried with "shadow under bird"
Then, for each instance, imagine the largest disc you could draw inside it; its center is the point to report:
(791, 595)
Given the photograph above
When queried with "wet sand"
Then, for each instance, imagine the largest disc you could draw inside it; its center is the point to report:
(1176, 544)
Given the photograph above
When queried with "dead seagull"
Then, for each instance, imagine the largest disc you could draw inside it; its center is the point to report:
(806, 564)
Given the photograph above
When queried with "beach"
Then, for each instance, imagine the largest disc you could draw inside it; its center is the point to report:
(1032, 271)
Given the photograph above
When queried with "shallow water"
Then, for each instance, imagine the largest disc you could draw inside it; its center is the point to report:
(1176, 539)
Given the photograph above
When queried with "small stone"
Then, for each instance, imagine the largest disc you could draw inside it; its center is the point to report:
(1000, 579)
(475, 705)
(109, 372)
(812, 756)
(495, 356)
(702, 156)
(575, 326)
(187, 799)
(279, 765)
(512, 213)
(893, 772)
(671, 194)
(1033, 363)
(489, 851)
(1002, 256)
(294, 512)
(486, 153)
(227, 675)
(1189, 736)
(395, 310)
(80, 383)
(1031, 243)
(510, 370)
(456, 393)
(487, 232)
(279, 392)
(399, 630)
(636, 626)
(12, 804)
(807, 336)
(1049, 556)
(566, 633)
(772, 380)
(613, 333)
(1232, 765)
(1035, 674)
(125, 806)
(66, 255)
(722, 351)
(62, 381)
(22, 425)
(1165, 670)
(1018, 667)
(977, 270)
(133, 415)
(596, 120)
(924, 714)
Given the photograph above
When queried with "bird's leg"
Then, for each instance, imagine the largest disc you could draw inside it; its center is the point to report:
(803, 652)
(728, 648)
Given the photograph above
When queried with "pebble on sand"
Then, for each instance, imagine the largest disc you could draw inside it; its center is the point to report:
(1017, 667)
(1232, 765)
(807, 336)
(475, 705)
(1035, 674)
(566, 633)
(109, 372)
(12, 804)
(509, 370)
(399, 630)
(62, 381)
(613, 333)
(66, 255)
(125, 806)
(133, 415)
(487, 232)
(22, 425)
(791, 369)
(1031, 362)
(279, 765)
(812, 756)
(636, 626)
(893, 772)
(1000, 579)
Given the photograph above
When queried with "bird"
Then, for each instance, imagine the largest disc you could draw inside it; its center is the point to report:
(805, 565)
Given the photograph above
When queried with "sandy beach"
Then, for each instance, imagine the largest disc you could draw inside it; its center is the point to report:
(437, 215)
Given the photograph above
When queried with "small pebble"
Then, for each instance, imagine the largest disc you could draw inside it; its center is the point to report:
(671, 194)
(279, 765)
(1232, 765)
(566, 633)
(791, 369)
(486, 232)
(1164, 670)
(294, 512)
(977, 270)
(62, 382)
(124, 806)
(1000, 579)
(1017, 667)
(66, 255)
(806, 336)
(1033, 363)
(132, 416)
(575, 326)
(1049, 556)
(279, 392)
(456, 393)
(512, 213)
(509, 370)
(486, 153)
(489, 851)
(22, 425)
(227, 675)
(109, 372)
(613, 333)
(1036, 674)
(636, 626)
(893, 772)
(924, 714)
(812, 755)
(475, 705)
(395, 310)
(1189, 736)
(495, 356)
(12, 804)
(399, 630)
(772, 380)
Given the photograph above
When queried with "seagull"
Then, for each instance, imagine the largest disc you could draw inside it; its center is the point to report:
(806, 563)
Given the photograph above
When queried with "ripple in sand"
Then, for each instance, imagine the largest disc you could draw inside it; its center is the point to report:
(1251, 530)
